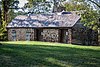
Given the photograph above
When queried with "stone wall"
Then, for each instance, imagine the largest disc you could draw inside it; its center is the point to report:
(20, 34)
(84, 36)
(75, 36)
(49, 35)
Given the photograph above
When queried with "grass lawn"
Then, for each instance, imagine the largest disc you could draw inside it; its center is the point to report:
(45, 54)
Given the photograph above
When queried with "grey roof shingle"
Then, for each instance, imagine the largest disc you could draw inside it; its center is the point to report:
(44, 20)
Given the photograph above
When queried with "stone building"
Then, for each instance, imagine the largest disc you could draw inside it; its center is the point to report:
(62, 27)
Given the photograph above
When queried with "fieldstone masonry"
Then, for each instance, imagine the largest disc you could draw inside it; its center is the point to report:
(20, 34)
(50, 35)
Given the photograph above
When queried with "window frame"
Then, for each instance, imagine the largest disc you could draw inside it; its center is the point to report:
(14, 35)
(28, 36)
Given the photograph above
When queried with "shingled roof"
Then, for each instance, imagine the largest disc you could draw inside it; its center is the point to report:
(44, 20)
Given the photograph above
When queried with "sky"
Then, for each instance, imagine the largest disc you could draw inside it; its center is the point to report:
(22, 2)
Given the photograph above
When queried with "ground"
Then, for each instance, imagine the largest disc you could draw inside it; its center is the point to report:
(45, 54)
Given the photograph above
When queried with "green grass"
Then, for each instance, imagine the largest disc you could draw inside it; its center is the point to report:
(45, 54)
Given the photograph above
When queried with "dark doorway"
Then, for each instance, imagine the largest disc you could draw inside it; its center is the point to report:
(36, 34)
(61, 35)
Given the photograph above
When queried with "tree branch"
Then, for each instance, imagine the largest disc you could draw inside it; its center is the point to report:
(95, 3)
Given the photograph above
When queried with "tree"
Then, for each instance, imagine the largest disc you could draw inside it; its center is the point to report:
(95, 2)
(7, 6)
(0, 17)
(58, 5)
(41, 7)
(0, 13)
(45, 6)
(89, 17)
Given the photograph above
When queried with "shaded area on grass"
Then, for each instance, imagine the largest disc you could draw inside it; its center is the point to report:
(47, 56)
